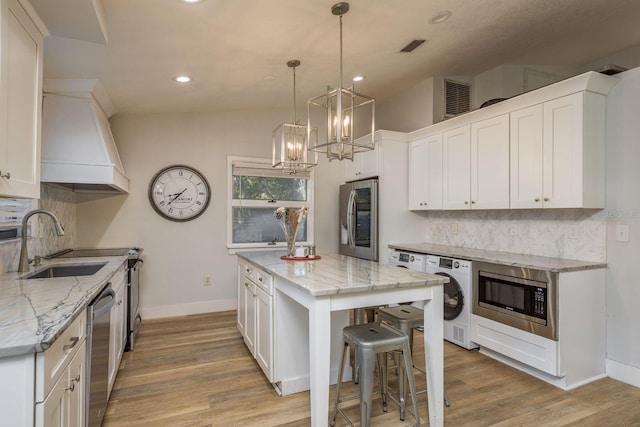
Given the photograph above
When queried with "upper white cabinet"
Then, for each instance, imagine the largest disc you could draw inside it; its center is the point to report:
(364, 165)
(490, 163)
(557, 153)
(425, 173)
(456, 168)
(542, 149)
(21, 47)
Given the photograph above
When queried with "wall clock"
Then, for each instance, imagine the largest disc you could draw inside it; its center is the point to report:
(179, 193)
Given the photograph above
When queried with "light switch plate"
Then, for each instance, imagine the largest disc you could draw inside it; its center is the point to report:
(622, 233)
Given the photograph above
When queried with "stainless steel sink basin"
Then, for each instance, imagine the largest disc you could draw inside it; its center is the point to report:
(66, 270)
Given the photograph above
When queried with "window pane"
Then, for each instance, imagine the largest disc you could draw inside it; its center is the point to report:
(269, 188)
(258, 225)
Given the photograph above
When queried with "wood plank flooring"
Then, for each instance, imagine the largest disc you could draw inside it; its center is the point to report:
(195, 371)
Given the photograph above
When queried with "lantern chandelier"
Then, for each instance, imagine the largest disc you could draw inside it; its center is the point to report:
(343, 109)
(290, 140)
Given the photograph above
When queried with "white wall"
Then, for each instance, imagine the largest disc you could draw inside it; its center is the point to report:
(408, 110)
(623, 208)
(178, 255)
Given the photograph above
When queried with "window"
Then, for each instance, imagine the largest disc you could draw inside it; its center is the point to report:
(11, 213)
(255, 191)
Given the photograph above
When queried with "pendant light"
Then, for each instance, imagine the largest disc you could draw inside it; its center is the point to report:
(344, 111)
(290, 140)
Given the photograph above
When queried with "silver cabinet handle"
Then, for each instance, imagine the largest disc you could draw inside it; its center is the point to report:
(537, 199)
(466, 203)
(5, 175)
(473, 202)
(77, 378)
(74, 341)
(260, 279)
(546, 199)
(71, 387)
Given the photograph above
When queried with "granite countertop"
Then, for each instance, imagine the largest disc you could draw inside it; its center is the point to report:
(334, 274)
(33, 313)
(554, 265)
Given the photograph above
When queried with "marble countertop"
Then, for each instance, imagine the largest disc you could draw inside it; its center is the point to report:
(334, 274)
(33, 313)
(554, 265)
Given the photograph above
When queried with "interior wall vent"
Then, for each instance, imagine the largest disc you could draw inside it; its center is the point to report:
(457, 98)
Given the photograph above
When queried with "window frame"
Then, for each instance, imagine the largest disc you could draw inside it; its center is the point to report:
(231, 203)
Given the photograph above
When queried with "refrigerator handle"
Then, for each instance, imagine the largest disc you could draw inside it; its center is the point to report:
(350, 220)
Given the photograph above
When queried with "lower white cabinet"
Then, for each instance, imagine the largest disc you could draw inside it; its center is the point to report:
(118, 321)
(65, 404)
(256, 314)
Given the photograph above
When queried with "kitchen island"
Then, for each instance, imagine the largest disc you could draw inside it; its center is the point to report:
(335, 284)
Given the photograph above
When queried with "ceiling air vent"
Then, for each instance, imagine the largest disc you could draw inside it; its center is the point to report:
(457, 98)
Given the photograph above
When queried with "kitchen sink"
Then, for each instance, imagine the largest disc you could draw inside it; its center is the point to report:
(66, 270)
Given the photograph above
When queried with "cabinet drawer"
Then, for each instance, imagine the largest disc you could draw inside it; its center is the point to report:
(248, 271)
(52, 363)
(264, 281)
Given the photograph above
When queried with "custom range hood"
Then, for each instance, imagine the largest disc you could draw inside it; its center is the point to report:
(78, 150)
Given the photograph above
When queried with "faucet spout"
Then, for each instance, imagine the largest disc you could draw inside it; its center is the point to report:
(24, 256)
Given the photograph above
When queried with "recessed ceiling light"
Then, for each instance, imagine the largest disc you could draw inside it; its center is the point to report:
(190, 1)
(440, 17)
(182, 79)
(358, 78)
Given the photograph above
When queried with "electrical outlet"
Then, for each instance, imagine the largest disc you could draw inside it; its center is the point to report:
(622, 233)
(574, 232)
(207, 280)
(513, 230)
(454, 228)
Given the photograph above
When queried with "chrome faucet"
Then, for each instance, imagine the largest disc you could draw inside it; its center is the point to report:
(24, 257)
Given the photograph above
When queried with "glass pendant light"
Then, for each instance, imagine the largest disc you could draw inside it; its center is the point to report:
(290, 140)
(345, 112)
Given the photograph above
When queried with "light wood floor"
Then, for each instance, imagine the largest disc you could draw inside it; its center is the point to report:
(196, 371)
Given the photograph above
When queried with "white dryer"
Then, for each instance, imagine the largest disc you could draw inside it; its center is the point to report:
(457, 298)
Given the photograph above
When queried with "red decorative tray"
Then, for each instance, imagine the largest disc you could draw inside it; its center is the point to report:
(300, 258)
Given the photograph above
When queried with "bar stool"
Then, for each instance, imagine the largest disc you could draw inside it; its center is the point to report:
(369, 341)
(405, 318)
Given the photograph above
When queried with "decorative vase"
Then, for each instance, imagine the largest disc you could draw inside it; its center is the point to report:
(290, 219)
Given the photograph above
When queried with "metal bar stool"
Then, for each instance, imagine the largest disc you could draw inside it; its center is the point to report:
(405, 318)
(369, 341)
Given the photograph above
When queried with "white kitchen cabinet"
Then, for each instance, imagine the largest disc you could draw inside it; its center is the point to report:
(557, 152)
(21, 50)
(65, 404)
(490, 163)
(456, 168)
(425, 173)
(476, 165)
(255, 314)
(118, 324)
(364, 165)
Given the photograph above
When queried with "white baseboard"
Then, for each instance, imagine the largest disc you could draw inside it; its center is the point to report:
(188, 308)
(623, 372)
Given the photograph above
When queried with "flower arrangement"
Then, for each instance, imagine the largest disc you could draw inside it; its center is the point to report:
(290, 219)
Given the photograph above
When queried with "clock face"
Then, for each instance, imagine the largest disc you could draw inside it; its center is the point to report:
(179, 193)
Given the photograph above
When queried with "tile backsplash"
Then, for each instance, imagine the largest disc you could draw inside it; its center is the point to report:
(63, 204)
(559, 233)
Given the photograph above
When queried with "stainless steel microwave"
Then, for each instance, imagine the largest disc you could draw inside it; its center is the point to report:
(522, 298)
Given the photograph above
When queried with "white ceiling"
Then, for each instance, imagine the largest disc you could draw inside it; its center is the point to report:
(236, 50)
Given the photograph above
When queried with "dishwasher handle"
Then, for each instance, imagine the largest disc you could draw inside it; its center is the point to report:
(103, 303)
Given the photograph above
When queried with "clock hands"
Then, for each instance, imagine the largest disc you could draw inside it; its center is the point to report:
(176, 196)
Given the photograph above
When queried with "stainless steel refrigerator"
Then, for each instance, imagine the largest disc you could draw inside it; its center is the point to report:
(359, 219)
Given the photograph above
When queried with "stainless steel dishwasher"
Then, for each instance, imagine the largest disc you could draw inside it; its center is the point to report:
(98, 337)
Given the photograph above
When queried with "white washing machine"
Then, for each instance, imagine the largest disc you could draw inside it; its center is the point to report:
(457, 298)
(409, 260)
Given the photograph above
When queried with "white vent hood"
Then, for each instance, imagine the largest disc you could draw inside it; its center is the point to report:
(78, 150)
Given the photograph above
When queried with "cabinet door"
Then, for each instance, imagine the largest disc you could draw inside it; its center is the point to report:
(116, 344)
(264, 336)
(54, 410)
(563, 155)
(456, 173)
(425, 173)
(20, 102)
(241, 303)
(76, 394)
(364, 165)
(526, 158)
(490, 163)
(250, 317)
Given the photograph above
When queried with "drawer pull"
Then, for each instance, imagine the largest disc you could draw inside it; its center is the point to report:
(74, 341)
(71, 387)
(260, 279)
(5, 175)
(76, 379)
